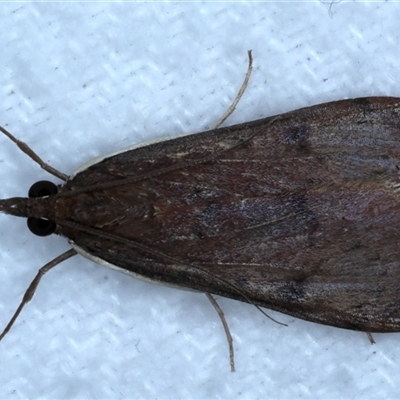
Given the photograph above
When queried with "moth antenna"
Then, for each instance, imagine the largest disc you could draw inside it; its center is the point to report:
(34, 284)
(229, 338)
(370, 337)
(241, 91)
(30, 153)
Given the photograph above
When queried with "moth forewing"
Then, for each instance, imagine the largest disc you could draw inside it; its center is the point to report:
(229, 212)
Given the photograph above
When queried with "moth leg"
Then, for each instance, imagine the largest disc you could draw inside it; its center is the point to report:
(34, 284)
(371, 339)
(242, 89)
(30, 153)
(226, 328)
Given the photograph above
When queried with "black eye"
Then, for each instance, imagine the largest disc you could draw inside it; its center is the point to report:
(41, 227)
(42, 189)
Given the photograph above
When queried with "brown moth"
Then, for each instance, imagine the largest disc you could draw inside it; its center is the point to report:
(298, 213)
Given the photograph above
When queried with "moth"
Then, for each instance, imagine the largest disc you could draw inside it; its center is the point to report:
(298, 213)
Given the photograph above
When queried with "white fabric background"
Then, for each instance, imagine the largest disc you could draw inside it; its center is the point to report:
(80, 80)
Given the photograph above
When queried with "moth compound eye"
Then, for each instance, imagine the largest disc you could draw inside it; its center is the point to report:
(42, 189)
(41, 227)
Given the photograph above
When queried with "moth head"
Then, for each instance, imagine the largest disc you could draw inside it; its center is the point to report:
(41, 226)
(22, 207)
(36, 207)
